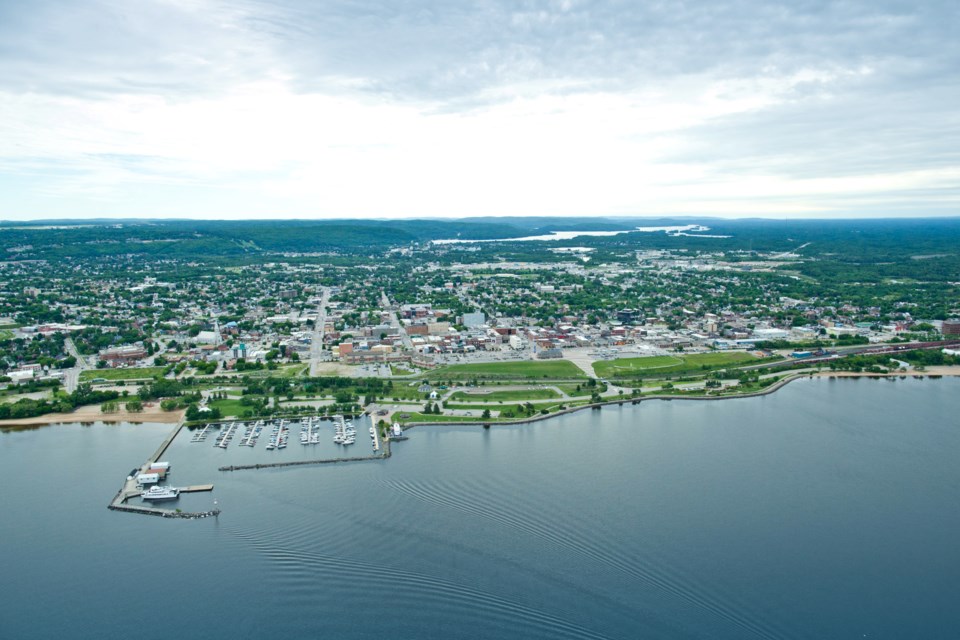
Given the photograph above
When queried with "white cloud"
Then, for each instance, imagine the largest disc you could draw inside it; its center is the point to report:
(253, 133)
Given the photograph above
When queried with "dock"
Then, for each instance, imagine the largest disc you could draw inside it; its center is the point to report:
(130, 489)
(166, 443)
(196, 487)
(119, 503)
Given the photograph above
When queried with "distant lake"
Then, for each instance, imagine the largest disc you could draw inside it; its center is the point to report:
(680, 230)
(826, 510)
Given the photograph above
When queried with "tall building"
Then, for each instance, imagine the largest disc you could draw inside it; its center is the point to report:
(951, 327)
(474, 320)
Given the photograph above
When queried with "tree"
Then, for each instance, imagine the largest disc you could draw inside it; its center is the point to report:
(109, 407)
(486, 414)
(134, 406)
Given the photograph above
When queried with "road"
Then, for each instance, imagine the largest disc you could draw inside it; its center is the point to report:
(71, 377)
(316, 341)
(792, 252)
(395, 321)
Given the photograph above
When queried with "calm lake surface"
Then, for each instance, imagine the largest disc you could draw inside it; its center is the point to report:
(826, 510)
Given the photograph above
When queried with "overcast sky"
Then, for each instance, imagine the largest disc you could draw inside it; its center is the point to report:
(362, 108)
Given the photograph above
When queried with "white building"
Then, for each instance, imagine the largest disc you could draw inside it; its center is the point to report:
(474, 320)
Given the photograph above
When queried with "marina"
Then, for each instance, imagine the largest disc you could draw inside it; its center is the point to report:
(226, 435)
(278, 436)
(253, 431)
(310, 431)
(148, 483)
(201, 435)
(344, 432)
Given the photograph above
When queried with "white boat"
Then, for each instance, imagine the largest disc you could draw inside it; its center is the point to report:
(157, 493)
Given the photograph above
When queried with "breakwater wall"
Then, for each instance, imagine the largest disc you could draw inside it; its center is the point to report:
(164, 513)
(300, 463)
(119, 503)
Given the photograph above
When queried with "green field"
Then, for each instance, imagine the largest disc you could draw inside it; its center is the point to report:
(404, 392)
(420, 417)
(510, 370)
(294, 370)
(229, 407)
(403, 371)
(512, 395)
(571, 389)
(120, 374)
(672, 364)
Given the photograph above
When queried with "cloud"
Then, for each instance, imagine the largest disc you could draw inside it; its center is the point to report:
(570, 107)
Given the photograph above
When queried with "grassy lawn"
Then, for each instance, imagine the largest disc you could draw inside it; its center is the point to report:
(419, 417)
(512, 395)
(229, 407)
(510, 370)
(120, 374)
(680, 363)
(294, 370)
(404, 392)
(14, 397)
(585, 391)
(403, 371)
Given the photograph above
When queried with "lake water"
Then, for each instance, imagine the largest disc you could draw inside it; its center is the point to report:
(677, 230)
(826, 510)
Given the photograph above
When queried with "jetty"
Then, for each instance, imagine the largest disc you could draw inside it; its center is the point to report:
(131, 489)
(166, 443)
(300, 463)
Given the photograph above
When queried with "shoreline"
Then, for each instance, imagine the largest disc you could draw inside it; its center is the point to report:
(938, 371)
(942, 370)
(92, 413)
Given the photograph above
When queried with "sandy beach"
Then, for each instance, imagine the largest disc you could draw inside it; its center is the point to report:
(92, 413)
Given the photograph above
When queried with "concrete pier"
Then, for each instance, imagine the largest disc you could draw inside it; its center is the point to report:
(119, 503)
(196, 487)
(130, 489)
(166, 443)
